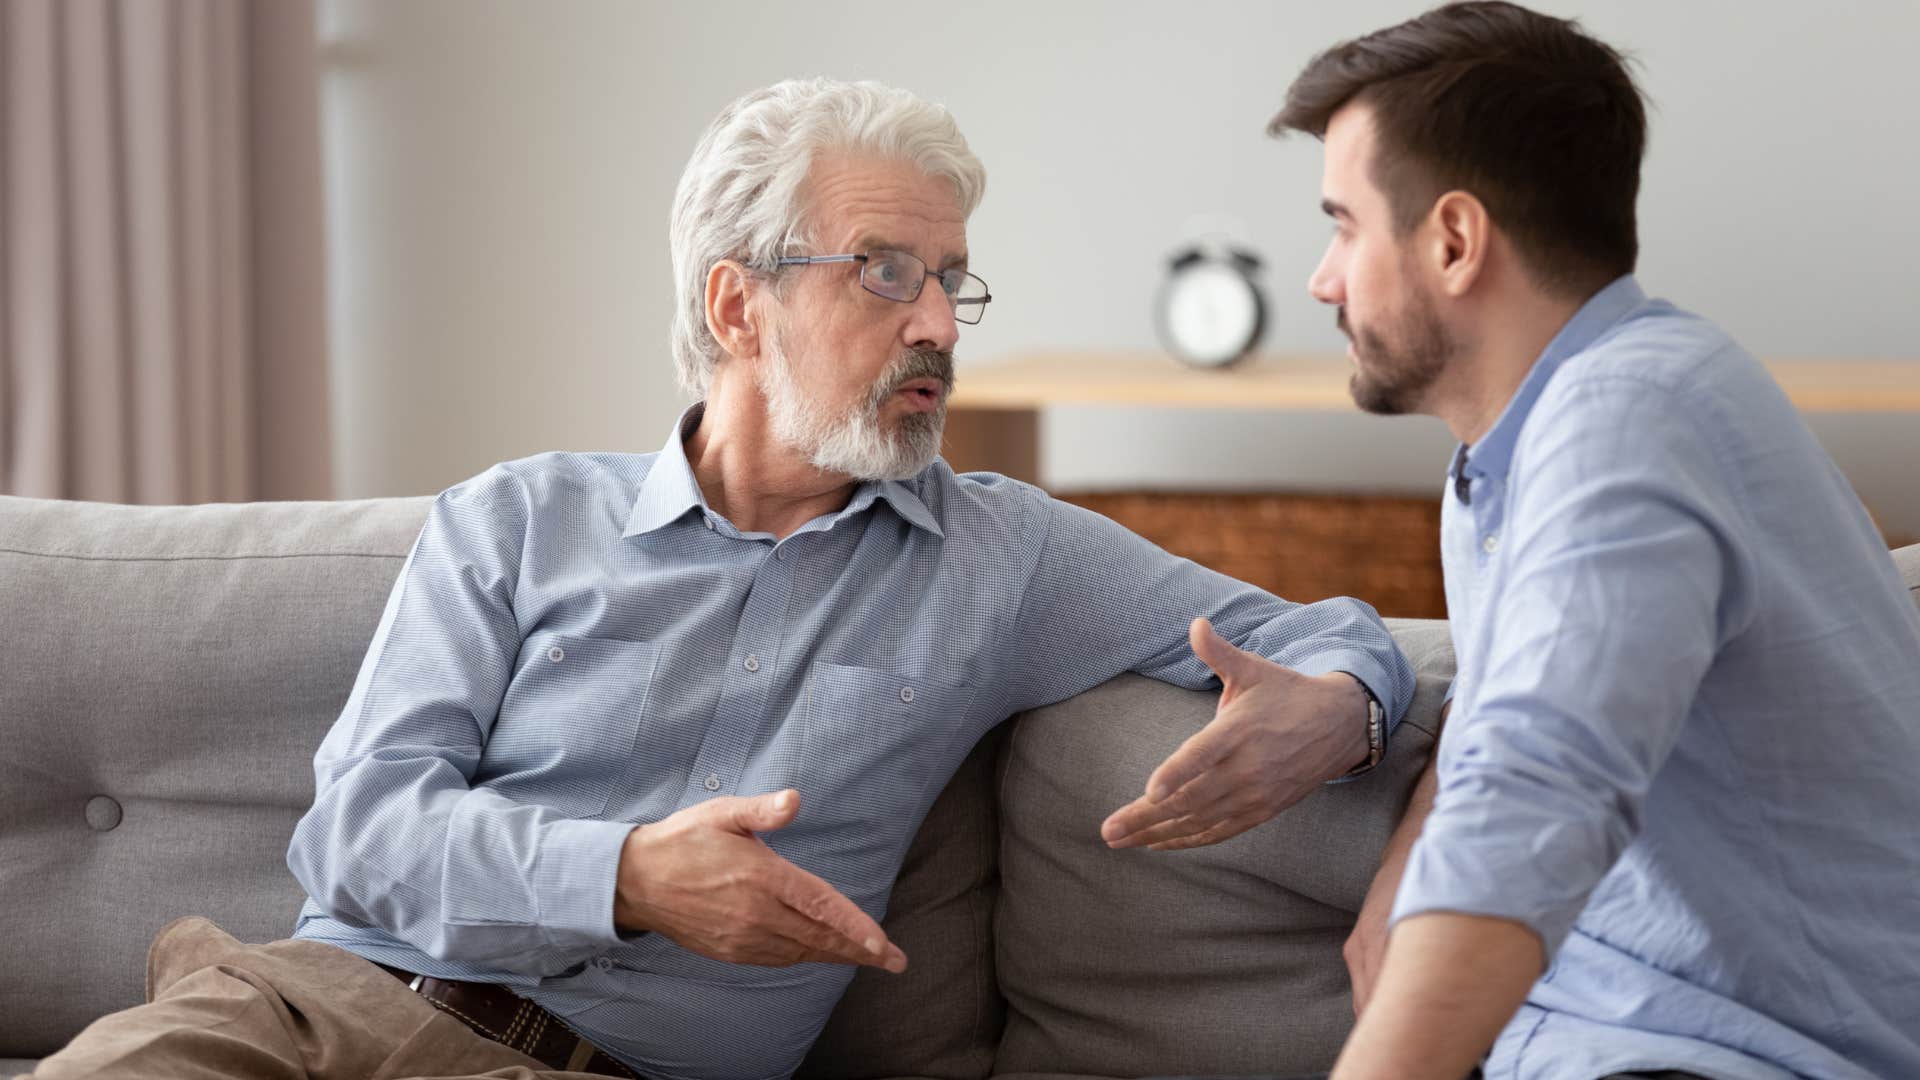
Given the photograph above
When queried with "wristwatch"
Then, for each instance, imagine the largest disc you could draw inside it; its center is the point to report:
(1376, 733)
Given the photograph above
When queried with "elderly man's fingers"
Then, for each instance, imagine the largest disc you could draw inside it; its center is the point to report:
(826, 944)
(1203, 750)
(1145, 813)
(760, 813)
(1190, 810)
(809, 941)
(1231, 663)
(1225, 830)
(827, 908)
(1192, 824)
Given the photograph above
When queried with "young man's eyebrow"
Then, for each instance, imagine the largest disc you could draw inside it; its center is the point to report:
(1335, 210)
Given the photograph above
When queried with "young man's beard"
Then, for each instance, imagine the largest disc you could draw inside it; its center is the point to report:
(1393, 375)
(857, 444)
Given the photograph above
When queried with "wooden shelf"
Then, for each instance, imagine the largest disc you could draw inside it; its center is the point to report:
(1320, 382)
(1269, 382)
(993, 416)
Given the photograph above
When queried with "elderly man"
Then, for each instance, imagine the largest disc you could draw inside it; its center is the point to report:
(640, 741)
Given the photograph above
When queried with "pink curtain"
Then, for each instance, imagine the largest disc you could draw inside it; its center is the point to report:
(162, 334)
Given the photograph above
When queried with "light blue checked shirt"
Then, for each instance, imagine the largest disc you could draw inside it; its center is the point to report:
(1685, 744)
(578, 643)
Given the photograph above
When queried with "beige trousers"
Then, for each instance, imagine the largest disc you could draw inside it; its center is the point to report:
(288, 1010)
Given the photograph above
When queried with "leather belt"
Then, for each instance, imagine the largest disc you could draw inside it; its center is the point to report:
(513, 1021)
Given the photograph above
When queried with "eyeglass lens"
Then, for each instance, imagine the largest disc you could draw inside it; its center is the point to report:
(900, 276)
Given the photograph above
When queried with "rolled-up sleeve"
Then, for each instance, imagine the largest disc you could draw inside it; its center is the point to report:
(1621, 573)
(398, 837)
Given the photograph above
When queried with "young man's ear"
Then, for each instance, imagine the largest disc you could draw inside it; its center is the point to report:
(729, 317)
(1458, 241)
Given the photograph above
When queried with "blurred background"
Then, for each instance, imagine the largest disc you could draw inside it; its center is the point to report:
(355, 248)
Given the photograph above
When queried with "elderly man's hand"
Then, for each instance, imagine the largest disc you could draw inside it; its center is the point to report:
(1275, 736)
(702, 878)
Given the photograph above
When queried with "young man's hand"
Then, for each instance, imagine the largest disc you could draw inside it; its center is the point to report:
(702, 878)
(1275, 737)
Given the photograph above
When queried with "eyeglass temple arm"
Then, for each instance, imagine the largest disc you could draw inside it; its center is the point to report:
(802, 260)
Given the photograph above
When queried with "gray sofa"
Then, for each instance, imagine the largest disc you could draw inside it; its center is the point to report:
(168, 672)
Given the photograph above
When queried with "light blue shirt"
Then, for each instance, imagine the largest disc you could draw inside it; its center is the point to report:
(1685, 745)
(578, 643)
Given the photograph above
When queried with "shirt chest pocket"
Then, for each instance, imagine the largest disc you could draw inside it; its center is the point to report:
(572, 722)
(872, 741)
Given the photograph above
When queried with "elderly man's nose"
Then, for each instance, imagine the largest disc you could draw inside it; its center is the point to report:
(933, 325)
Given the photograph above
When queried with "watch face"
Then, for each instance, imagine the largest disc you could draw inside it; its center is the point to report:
(1210, 314)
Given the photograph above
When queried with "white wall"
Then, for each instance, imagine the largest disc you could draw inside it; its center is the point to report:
(500, 173)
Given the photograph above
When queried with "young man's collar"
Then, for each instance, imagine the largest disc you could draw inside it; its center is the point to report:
(1494, 452)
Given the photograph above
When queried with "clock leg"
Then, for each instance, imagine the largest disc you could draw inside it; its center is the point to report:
(1006, 441)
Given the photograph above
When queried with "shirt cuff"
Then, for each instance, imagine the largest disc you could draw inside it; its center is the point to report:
(575, 876)
(1361, 665)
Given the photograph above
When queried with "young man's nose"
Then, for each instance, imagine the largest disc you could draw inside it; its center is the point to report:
(1325, 284)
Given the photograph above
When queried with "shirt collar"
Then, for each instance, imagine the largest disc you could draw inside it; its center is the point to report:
(1491, 456)
(670, 489)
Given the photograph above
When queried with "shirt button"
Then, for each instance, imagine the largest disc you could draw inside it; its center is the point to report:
(780, 553)
(603, 964)
(556, 654)
(713, 782)
(709, 524)
(906, 694)
(752, 664)
(1491, 544)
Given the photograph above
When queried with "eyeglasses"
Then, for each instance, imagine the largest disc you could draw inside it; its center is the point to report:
(898, 276)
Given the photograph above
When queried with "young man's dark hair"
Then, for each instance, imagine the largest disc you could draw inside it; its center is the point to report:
(1536, 119)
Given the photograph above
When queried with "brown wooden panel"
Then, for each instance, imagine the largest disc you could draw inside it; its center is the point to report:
(1006, 441)
(1384, 549)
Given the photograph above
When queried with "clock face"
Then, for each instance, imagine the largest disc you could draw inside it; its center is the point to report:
(1211, 313)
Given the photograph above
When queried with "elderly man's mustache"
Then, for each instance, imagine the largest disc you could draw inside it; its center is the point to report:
(916, 364)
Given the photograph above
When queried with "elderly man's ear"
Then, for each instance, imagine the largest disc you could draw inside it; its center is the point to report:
(731, 319)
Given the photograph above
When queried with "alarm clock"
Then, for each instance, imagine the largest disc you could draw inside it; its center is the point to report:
(1210, 312)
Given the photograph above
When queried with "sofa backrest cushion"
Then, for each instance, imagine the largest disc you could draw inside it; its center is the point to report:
(1218, 960)
(167, 676)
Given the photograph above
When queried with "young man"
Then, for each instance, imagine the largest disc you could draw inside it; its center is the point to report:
(1679, 774)
(641, 740)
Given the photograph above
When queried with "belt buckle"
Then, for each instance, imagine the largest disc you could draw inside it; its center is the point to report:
(415, 984)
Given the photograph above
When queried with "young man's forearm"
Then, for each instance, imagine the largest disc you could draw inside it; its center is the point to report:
(1449, 984)
(1366, 947)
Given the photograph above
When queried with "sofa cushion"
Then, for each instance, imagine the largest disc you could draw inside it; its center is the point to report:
(168, 674)
(1217, 960)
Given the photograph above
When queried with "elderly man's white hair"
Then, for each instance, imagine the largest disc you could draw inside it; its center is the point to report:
(741, 197)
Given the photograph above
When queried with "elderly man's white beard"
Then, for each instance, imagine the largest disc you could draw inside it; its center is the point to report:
(856, 444)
